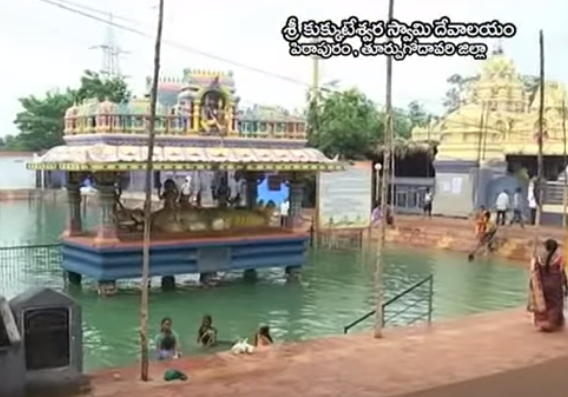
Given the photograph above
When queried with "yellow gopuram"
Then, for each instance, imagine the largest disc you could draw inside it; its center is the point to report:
(489, 143)
(497, 118)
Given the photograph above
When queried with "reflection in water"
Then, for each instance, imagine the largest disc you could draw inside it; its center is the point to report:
(335, 289)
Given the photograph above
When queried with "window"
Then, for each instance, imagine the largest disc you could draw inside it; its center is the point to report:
(401, 199)
(47, 338)
(413, 198)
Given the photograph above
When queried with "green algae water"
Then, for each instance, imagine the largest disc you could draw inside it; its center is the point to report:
(336, 288)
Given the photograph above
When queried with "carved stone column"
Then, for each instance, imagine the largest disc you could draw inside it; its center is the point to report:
(105, 184)
(222, 190)
(296, 186)
(74, 224)
(251, 180)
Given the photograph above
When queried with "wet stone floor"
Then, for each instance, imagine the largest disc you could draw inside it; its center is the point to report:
(404, 361)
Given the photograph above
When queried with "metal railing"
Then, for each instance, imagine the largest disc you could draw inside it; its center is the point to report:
(23, 266)
(407, 306)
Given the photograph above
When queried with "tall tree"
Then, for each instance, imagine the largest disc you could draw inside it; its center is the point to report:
(531, 83)
(349, 124)
(93, 85)
(144, 362)
(40, 123)
(458, 85)
(417, 115)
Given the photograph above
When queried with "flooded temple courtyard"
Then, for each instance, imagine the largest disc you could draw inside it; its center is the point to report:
(336, 288)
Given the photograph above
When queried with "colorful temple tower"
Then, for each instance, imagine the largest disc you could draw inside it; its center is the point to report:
(200, 128)
(496, 124)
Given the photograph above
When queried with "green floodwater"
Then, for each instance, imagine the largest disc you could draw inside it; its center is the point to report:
(336, 288)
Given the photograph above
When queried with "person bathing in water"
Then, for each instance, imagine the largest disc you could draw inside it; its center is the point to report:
(485, 230)
(262, 337)
(207, 334)
(480, 223)
(167, 341)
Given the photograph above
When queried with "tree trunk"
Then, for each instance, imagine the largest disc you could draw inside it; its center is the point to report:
(540, 136)
(565, 162)
(144, 362)
(385, 180)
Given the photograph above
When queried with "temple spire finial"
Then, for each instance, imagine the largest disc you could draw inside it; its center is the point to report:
(498, 47)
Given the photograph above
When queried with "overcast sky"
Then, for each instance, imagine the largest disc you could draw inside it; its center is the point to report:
(45, 47)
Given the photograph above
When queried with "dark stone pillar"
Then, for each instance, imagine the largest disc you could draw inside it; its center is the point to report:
(168, 283)
(74, 223)
(74, 278)
(296, 186)
(250, 275)
(251, 179)
(73, 226)
(223, 190)
(107, 227)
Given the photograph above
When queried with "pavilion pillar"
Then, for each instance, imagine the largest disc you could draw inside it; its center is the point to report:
(251, 179)
(74, 223)
(296, 186)
(223, 190)
(105, 184)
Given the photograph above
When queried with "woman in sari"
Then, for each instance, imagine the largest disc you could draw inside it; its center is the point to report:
(547, 289)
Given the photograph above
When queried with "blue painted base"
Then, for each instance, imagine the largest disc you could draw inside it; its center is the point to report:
(106, 263)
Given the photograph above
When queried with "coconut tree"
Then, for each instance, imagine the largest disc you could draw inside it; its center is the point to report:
(148, 200)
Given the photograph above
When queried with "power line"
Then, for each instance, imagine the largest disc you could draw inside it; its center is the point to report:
(97, 11)
(82, 10)
(89, 12)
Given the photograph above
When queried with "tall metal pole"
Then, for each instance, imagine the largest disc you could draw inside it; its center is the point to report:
(478, 201)
(388, 132)
(565, 162)
(144, 363)
(540, 137)
(314, 99)
(392, 173)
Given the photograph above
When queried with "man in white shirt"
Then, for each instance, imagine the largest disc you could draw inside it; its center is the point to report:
(284, 211)
(186, 190)
(428, 198)
(532, 201)
(502, 207)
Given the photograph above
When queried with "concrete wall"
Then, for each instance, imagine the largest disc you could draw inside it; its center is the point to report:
(463, 186)
(14, 174)
(455, 188)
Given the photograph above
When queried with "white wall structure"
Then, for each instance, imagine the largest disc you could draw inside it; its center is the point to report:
(14, 174)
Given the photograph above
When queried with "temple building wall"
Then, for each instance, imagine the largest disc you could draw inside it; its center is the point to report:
(454, 188)
(497, 117)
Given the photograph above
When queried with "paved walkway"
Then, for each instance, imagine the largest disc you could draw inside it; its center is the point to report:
(453, 224)
(405, 361)
(547, 379)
